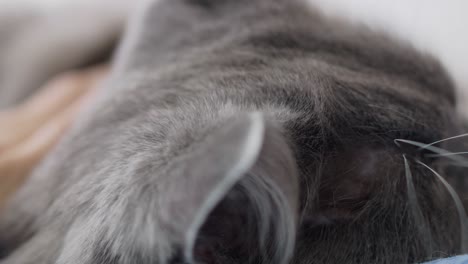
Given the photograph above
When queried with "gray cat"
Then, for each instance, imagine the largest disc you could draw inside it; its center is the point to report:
(248, 131)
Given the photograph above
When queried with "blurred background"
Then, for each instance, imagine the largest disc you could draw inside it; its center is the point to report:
(439, 27)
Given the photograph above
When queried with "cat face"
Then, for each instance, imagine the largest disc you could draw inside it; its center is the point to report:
(356, 181)
(348, 186)
(362, 195)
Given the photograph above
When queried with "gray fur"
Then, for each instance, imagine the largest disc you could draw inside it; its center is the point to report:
(322, 183)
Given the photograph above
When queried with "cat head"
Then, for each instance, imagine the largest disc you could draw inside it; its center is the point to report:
(355, 182)
(322, 155)
(335, 172)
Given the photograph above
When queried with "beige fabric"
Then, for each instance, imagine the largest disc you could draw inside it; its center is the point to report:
(36, 45)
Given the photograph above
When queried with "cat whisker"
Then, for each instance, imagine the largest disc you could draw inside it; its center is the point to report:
(443, 140)
(416, 211)
(447, 154)
(459, 206)
(460, 161)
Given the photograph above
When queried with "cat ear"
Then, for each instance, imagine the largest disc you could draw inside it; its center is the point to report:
(245, 170)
